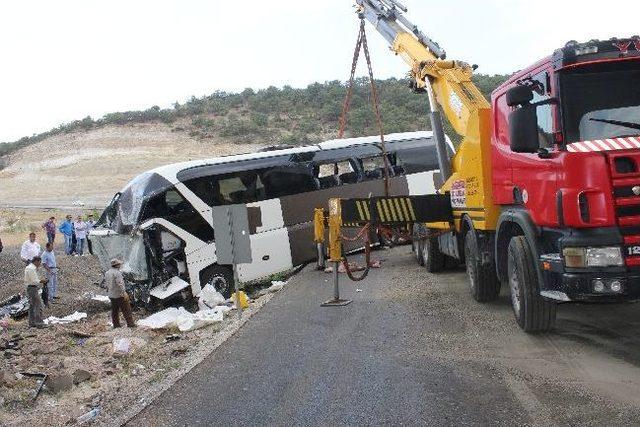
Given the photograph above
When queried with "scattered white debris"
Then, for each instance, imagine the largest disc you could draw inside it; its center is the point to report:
(181, 319)
(101, 298)
(121, 346)
(358, 290)
(75, 317)
(209, 298)
(88, 416)
(276, 286)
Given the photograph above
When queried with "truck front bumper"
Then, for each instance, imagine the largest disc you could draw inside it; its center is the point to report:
(595, 286)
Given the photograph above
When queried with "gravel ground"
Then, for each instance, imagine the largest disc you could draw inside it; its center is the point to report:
(117, 385)
(76, 277)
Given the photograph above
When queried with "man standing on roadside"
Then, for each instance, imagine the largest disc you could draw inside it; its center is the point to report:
(80, 227)
(66, 228)
(50, 227)
(118, 295)
(33, 282)
(30, 249)
(49, 263)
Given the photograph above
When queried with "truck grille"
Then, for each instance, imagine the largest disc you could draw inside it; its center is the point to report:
(627, 207)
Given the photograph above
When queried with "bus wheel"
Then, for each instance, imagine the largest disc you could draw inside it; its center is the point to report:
(221, 278)
(432, 258)
(483, 280)
(533, 313)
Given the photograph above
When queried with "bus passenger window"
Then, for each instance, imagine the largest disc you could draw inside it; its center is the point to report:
(241, 187)
(373, 168)
(288, 180)
(415, 160)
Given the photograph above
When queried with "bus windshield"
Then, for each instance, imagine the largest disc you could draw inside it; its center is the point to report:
(125, 209)
(601, 101)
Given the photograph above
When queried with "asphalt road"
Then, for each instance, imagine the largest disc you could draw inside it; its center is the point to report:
(412, 348)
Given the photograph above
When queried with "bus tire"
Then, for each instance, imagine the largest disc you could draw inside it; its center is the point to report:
(432, 258)
(221, 278)
(483, 279)
(532, 312)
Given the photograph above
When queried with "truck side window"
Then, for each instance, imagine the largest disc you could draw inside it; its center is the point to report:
(544, 112)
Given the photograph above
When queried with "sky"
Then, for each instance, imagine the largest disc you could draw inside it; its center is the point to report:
(63, 60)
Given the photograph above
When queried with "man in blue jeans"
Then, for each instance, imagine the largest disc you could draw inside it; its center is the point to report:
(80, 228)
(49, 263)
(66, 228)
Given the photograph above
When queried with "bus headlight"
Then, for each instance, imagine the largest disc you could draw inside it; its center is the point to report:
(593, 257)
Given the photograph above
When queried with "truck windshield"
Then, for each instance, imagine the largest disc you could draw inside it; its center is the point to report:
(601, 101)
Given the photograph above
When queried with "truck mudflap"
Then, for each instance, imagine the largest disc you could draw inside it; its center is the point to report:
(606, 285)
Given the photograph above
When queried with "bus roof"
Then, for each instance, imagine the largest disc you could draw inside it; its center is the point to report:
(171, 170)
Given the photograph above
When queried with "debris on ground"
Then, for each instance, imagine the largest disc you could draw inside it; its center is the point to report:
(100, 298)
(76, 360)
(16, 306)
(244, 300)
(181, 319)
(276, 286)
(209, 298)
(75, 317)
(84, 418)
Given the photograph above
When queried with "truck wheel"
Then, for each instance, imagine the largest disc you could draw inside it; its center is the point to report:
(483, 280)
(416, 244)
(533, 313)
(432, 258)
(221, 278)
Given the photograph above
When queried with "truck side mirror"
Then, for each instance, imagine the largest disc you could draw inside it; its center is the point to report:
(523, 130)
(519, 95)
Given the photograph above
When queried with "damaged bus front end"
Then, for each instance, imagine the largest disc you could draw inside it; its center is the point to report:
(154, 258)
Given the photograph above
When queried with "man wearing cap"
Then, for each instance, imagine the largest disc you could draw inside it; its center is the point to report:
(118, 295)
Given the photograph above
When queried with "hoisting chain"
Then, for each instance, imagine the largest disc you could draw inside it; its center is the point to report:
(361, 44)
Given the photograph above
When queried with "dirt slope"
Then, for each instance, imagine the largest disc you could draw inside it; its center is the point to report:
(91, 166)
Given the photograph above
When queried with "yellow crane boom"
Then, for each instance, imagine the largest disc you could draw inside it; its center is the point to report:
(451, 90)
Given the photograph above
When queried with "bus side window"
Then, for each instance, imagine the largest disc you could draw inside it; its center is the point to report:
(415, 160)
(173, 207)
(373, 168)
(203, 188)
(288, 180)
(348, 175)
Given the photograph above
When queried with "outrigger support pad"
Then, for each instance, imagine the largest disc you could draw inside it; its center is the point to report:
(336, 301)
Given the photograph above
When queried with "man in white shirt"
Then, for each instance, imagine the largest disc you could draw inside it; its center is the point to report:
(80, 228)
(30, 249)
(33, 283)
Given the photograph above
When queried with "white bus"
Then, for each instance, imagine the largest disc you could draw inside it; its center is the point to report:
(161, 223)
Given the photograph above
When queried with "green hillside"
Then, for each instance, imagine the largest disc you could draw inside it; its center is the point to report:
(278, 116)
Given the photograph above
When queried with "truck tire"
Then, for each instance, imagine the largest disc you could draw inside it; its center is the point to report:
(221, 278)
(532, 312)
(416, 247)
(483, 279)
(432, 258)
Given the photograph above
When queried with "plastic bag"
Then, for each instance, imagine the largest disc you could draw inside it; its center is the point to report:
(209, 298)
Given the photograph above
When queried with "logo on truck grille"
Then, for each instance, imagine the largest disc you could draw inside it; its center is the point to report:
(636, 190)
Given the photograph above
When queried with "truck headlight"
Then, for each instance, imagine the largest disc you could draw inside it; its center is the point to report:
(593, 257)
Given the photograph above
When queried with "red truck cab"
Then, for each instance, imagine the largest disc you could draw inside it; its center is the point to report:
(566, 171)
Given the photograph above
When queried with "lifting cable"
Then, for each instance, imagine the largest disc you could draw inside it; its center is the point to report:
(361, 44)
